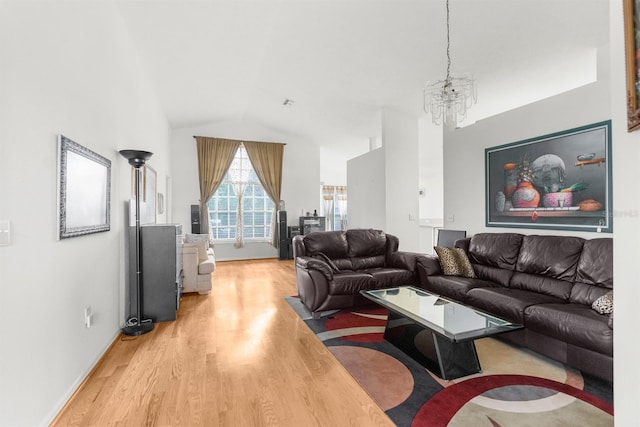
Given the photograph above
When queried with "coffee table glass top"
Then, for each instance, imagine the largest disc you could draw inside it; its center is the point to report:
(443, 316)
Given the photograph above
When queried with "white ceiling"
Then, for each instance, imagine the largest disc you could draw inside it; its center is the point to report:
(341, 61)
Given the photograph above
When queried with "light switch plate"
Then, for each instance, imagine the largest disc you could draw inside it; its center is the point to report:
(5, 233)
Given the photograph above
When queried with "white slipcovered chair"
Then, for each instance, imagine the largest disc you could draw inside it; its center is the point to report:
(198, 263)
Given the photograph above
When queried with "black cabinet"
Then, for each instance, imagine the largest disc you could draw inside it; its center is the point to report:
(161, 267)
(309, 224)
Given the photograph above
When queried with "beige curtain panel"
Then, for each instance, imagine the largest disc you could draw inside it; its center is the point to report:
(266, 159)
(214, 158)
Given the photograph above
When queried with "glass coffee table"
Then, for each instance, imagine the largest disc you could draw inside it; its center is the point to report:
(435, 331)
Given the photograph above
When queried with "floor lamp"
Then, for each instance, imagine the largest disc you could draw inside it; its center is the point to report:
(137, 159)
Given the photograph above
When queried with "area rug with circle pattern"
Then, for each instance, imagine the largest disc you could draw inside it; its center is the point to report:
(517, 387)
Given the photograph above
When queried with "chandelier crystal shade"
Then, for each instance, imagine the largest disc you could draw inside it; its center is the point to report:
(448, 100)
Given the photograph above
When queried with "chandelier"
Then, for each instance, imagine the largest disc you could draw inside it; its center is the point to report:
(449, 98)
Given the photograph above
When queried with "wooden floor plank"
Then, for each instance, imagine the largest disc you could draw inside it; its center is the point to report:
(239, 356)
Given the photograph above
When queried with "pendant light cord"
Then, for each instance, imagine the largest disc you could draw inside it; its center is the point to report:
(448, 79)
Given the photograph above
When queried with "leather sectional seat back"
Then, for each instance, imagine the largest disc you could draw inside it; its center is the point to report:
(594, 276)
(547, 265)
(367, 248)
(494, 256)
(356, 249)
(330, 244)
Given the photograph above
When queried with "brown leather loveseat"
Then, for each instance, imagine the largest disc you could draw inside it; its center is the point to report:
(332, 267)
(547, 283)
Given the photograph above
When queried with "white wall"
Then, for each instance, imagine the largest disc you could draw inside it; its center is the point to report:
(69, 68)
(430, 183)
(333, 166)
(366, 190)
(384, 183)
(464, 183)
(430, 172)
(300, 177)
(400, 141)
(626, 244)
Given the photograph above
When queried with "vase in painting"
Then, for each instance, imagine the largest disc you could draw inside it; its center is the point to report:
(525, 196)
(500, 201)
(510, 179)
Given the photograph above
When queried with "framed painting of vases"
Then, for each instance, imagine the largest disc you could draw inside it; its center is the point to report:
(632, 54)
(558, 181)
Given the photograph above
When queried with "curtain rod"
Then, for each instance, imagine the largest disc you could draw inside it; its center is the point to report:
(242, 140)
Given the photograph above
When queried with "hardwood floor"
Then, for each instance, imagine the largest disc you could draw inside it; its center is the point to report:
(239, 356)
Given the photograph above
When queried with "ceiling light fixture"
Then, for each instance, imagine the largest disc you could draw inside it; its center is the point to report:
(449, 98)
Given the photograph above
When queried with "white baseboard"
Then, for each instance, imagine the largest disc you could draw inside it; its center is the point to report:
(77, 383)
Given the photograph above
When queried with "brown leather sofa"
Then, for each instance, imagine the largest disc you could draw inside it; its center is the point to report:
(547, 283)
(332, 267)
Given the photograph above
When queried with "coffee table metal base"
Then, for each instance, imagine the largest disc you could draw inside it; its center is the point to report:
(443, 357)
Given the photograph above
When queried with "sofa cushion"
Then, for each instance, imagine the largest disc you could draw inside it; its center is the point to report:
(594, 275)
(362, 263)
(493, 274)
(581, 293)
(551, 256)
(495, 249)
(390, 277)
(366, 243)
(604, 304)
(454, 262)
(541, 284)
(343, 264)
(505, 302)
(331, 243)
(596, 263)
(547, 264)
(351, 282)
(576, 324)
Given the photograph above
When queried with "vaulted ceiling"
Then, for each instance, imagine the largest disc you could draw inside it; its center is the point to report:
(342, 61)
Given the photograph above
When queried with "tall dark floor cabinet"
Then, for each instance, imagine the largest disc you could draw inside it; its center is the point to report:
(161, 266)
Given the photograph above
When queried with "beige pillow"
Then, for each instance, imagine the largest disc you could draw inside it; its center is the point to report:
(454, 262)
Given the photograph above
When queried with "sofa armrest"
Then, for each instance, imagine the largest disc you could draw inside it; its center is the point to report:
(308, 263)
(405, 260)
(190, 263)
(610, 322)
(429, 265)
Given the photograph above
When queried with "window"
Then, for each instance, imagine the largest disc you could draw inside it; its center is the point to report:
(257, 207)
(335, 206)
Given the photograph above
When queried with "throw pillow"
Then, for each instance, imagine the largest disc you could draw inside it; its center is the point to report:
(454, 262)
(604, 304)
